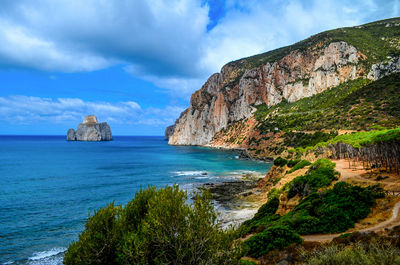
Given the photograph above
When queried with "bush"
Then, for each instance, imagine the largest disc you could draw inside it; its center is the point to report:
(156, 227)
(320, 174)
(333, 211)
(377, 253)
(299, 165)
(269, 208)
(292, 163)
(97, 244)
(274, 237)
(280, 162)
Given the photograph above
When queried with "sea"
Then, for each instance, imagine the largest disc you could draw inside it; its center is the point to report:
(48, 186)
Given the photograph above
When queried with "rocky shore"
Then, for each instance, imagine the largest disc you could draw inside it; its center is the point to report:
(237, 200)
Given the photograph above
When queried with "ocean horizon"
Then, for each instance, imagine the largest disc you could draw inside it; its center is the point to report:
(49, 185)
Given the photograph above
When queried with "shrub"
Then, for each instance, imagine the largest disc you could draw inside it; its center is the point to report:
(269, 208)
(292, 163)
(247, 262)
(299, 165)
(320, 174)
(97, 244)
(280, 162)
(275, 237)
(332, 211)
(156, 227)
(377, 253)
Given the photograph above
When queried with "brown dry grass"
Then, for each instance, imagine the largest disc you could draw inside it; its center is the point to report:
(381, 212)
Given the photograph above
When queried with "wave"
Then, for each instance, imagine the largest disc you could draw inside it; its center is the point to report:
(53, 256)
(189, 173)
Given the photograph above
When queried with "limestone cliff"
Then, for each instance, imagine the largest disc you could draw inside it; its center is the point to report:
(90, 130)
(297, 75)
(290, 73)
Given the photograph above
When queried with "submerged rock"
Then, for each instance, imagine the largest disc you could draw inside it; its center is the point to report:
(90, 130)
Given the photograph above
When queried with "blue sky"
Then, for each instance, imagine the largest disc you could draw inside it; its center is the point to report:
(135, 63)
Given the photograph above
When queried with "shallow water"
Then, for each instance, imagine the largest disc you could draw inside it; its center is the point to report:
(48, 185)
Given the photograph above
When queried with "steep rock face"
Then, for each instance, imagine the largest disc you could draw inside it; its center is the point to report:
(223, 99)
(90, 130)
(169, 131)
(71, 135)
(380, 70)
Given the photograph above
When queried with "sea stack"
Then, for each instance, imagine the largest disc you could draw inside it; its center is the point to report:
(90, 130)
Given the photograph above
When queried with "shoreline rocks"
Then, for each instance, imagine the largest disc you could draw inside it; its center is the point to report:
(90, 130)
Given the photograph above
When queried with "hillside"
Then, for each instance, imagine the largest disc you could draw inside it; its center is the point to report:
(259, 88)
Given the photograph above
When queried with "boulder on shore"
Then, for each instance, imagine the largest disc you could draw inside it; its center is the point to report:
(90, 130)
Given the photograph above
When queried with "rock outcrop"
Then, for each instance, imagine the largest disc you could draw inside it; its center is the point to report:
(289, 73)
(169, 131)
(90, 130)
(299, 74)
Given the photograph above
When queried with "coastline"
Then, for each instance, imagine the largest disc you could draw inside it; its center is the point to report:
(237, 200)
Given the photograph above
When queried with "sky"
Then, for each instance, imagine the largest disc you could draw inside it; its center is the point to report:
(135, 63)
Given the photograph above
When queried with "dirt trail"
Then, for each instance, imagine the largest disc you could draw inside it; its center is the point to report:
(347, 173)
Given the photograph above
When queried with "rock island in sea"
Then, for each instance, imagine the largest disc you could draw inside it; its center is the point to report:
(90, 130)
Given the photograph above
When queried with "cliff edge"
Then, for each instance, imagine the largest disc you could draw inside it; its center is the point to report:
(304, 69)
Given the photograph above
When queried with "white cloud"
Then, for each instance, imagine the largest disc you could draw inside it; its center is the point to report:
(164, 41)
(158, 37)
(70, 111)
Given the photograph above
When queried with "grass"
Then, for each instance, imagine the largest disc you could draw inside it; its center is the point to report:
(359, 139)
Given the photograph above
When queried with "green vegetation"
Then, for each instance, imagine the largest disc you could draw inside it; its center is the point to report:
(156, 227)
(356, 104)
(247, 262)
(360, 139)
(301, 139)
(280, 162)
(269, 208)
(331, 211)
(274, 237)
(299, 165)
(375, 40)
(377, 253)
(321, 174)
(292, 163)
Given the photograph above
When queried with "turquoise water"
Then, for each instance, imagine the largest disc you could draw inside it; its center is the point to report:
(48, 185)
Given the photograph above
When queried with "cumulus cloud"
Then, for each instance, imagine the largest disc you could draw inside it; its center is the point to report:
(158, 37)
(165, 41)
(21, 109)
(252, 27)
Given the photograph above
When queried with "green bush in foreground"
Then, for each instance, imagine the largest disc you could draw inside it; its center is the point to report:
(156, 227)
(378, 253)
(274, 237)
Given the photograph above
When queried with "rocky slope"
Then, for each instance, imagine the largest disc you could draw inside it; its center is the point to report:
(288, 74)
(90, 130)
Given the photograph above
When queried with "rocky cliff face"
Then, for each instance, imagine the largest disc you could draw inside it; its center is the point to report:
(90, 130)
(169, 131)
(301, 73)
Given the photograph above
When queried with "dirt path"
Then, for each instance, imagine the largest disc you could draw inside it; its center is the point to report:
(347, 173)
(392, 221)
